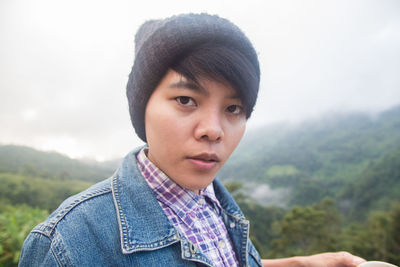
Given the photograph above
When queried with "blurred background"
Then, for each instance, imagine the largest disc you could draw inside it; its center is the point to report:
(64, 64)
(319, 166)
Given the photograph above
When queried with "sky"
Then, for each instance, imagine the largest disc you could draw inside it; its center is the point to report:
(64, 65)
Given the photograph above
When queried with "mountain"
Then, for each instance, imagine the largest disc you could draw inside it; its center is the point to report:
(44, 179)
(317, 158)
(50, 165)
(376, 187)
(352, 158)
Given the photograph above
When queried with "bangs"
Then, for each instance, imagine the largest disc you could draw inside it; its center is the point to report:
(222, 64)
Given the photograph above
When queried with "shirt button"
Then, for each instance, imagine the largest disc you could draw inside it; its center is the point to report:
(187, 254)
(202, 201)
(221, 244)
(232, 225)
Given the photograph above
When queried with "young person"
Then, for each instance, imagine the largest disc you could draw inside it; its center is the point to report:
(192, 87)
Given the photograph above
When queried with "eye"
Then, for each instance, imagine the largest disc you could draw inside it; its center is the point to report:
(185, 101)
(235, 109)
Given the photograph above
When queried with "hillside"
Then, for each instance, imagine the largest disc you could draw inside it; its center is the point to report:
(44, 179)
(376, 187)
(318, 158)
(353, 159)
(49, 165)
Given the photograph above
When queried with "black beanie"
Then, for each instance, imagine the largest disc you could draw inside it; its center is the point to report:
(158, 43)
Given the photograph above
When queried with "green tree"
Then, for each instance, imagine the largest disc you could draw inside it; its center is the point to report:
(261, 218)
(394, 245)
(378, 238)
(15, 224)
(307, 230)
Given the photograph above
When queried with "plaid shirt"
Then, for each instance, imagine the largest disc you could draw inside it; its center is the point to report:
(196, 217)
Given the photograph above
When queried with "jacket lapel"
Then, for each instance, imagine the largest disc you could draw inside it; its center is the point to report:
(142, 222)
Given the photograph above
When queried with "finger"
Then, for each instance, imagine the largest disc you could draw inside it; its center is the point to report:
(349, 259)
(357, 260)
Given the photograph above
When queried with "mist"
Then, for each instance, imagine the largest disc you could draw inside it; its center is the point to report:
(65, 65)
(264, 195)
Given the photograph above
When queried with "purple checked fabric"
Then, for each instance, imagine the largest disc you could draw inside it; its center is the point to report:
(196, 217)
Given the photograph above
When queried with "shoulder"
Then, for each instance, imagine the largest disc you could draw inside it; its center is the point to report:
(89, 223)
(70, 228)
(79, 207)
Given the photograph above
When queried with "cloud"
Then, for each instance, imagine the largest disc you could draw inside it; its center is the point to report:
(265, 195)
(65, 65)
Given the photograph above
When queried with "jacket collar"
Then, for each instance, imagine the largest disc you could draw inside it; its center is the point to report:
(143, 224)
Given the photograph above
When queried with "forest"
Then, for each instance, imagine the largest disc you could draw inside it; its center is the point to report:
(337, 178)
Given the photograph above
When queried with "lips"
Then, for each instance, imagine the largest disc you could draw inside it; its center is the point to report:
(209, 157)
(204, 161)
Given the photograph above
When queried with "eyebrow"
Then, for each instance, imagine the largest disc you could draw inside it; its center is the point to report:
(197, 88)
(189, 85)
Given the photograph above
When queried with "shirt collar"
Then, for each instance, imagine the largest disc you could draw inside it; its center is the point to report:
(181, 200)
(142, 223)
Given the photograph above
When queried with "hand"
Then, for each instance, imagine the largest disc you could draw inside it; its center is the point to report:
(337, 259)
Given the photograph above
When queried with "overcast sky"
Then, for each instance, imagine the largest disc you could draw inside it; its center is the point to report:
(64, 64)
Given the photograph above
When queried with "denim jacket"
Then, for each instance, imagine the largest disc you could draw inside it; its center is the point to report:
(118, 222)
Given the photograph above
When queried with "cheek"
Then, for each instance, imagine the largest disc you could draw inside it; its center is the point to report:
(234, 134)
(156, 127)
(164, 129)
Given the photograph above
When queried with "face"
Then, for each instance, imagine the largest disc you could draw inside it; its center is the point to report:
(192, 129)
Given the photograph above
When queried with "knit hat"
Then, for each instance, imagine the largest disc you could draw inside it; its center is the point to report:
(158, 43)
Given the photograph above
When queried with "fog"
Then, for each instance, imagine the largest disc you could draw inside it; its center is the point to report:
(265, 195)
(64, 64)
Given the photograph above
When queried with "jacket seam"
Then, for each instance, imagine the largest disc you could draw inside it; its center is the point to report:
(247, 242)
(254, 255)
(51, 245)
(55, 256)
(50, 227)
(119, 213)
(42, 233)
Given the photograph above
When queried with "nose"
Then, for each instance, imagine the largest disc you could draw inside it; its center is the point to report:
(209, 127)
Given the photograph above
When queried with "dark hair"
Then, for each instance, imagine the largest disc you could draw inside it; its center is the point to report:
(194, 45)
(221, 63)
